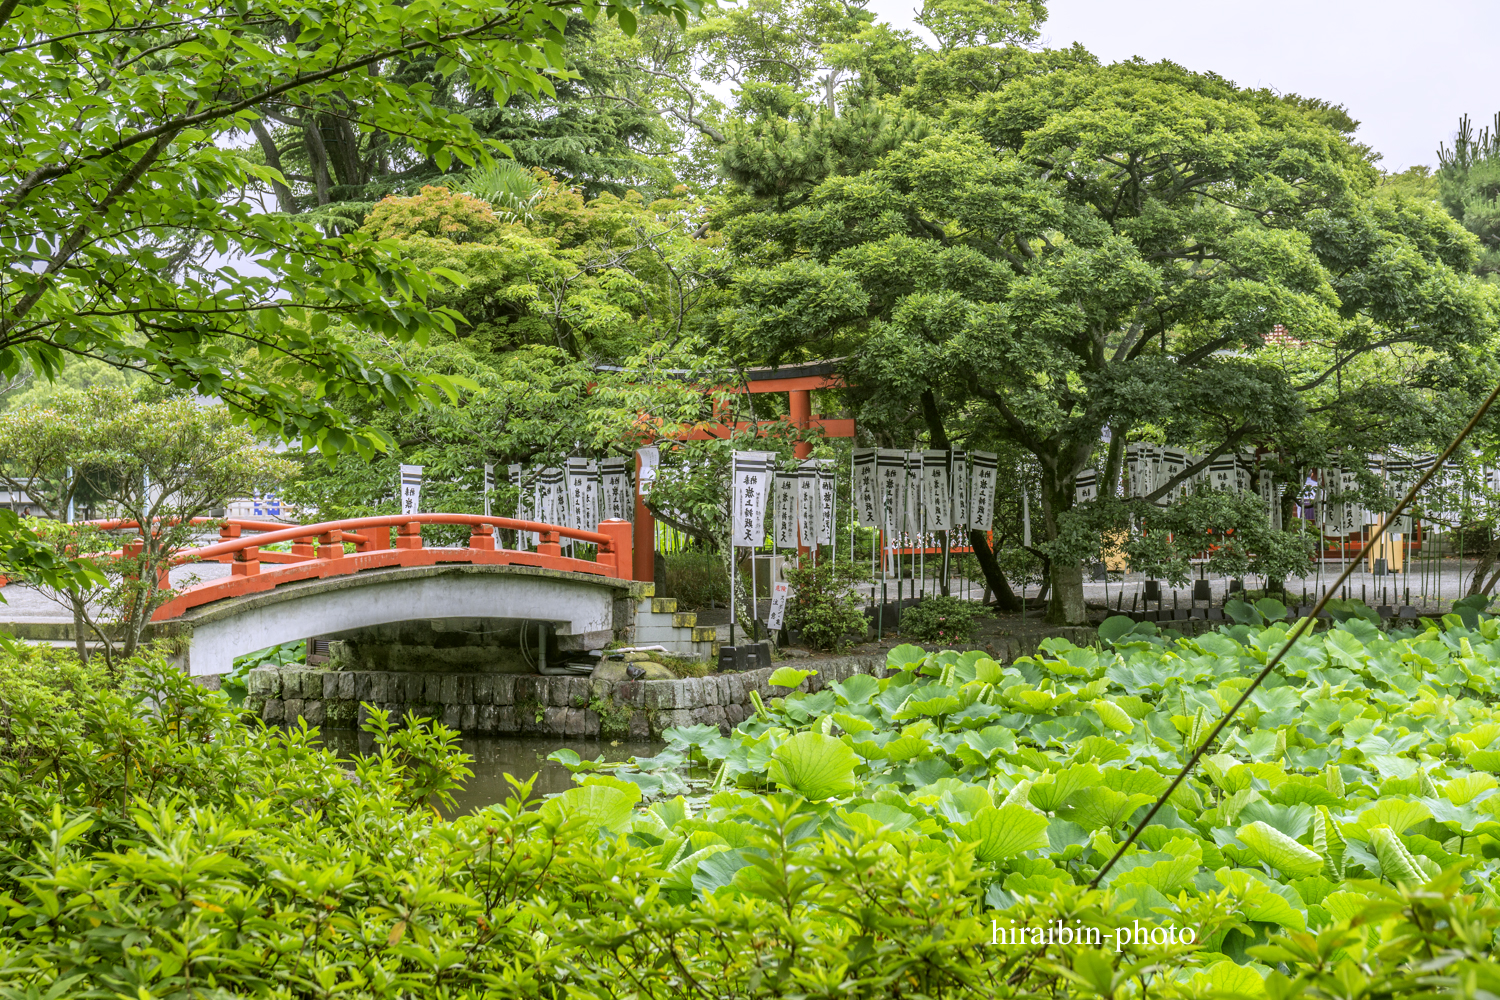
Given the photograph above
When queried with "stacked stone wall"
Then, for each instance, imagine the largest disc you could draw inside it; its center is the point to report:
(521, 704)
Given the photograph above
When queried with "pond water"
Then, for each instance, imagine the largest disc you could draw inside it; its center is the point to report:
(497, 756)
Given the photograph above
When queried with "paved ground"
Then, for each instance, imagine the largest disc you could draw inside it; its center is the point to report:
(27, 604)
(1424, 587)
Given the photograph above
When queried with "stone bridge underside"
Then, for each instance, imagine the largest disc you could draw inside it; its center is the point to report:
(582, 610)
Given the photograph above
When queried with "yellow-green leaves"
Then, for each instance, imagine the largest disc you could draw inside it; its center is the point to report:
(1279, 851)
(1005, 832)
(813, 765)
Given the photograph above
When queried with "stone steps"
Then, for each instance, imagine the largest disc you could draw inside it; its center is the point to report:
(659, 623)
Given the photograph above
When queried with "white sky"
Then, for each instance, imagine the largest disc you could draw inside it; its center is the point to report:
(1404, 71)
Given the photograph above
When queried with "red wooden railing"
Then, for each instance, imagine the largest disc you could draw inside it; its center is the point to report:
(318, 551)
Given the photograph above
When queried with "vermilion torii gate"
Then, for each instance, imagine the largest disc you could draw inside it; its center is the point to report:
(798, 382)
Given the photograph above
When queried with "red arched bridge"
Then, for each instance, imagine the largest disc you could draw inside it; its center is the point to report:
(356, 573)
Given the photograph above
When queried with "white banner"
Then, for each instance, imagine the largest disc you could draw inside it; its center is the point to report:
(1086, 486)
(489, 486)
(786, 515)
(937, 505)
(548, 503)
(828, 496)
(1174, 461)
(780, 591)
(866, 490)
(616, 479)
(1025, 519)
(577, 470)
(523, 508)
(752, 488)
(810, 508)
(411, 489)
(982, 490)
(1221, 474)
(650, 459)
(890, 476)
(1353, 511)
(913, 496)
(958, 478)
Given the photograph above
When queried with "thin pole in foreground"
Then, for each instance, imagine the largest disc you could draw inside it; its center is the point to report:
(1297, 632)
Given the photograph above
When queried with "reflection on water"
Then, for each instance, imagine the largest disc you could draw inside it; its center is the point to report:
(497, 756)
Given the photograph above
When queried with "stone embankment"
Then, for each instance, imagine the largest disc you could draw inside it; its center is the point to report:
(503, 704)
(527, 704)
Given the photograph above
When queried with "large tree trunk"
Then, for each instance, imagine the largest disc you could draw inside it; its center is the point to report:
(993, 577)
(1005, 598)
(1065, 607)
(1482, 581)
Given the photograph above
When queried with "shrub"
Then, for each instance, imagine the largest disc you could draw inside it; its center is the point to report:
(695, 577)
(946, 620)
(51, 680)
(823, 605)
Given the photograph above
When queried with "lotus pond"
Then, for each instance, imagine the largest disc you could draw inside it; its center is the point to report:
(1367, 762)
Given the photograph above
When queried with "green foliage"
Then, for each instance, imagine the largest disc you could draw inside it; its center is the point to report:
(695, 577)
(435, 212)
(51, 681)
(823, 605)
(1062, 254)
(159, 462)
(942, 619)
(899, 877)
(1468, 180)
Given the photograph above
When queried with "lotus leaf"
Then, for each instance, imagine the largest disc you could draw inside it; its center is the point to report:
(1279, 851)
(1005, 832)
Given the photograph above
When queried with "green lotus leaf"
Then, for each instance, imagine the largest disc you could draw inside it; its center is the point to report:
(1169, 871)
(1398, 814)
(1228, 980)
(788, 677)
(905, 657)
(914, 708)
(906, 748)
(596, 805)
(852, 723)
(1101, 808)
(1484, 760)
(988, 671)
(1005, 832)
(1115, 628)
(1113, 715)
(1460, 791)
(1050, 791)
(813, 765)
(1279, 851)
(857, 690)
(1396, 862)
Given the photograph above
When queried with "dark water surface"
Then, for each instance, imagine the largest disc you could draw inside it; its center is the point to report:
(522, 756)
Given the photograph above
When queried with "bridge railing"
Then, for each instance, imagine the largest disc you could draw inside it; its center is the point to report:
(317, 550)
(325, 541)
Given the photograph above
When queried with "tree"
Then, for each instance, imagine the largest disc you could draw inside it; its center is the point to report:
(1468, 179)
(1105, 249)
(159, 464)
(121, 194)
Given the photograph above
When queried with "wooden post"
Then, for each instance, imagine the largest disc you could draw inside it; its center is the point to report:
(409, 535)
(548, 544)
(331, 544)
(800, 401)
(246, 562)
(482, 537)
(617, 554)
